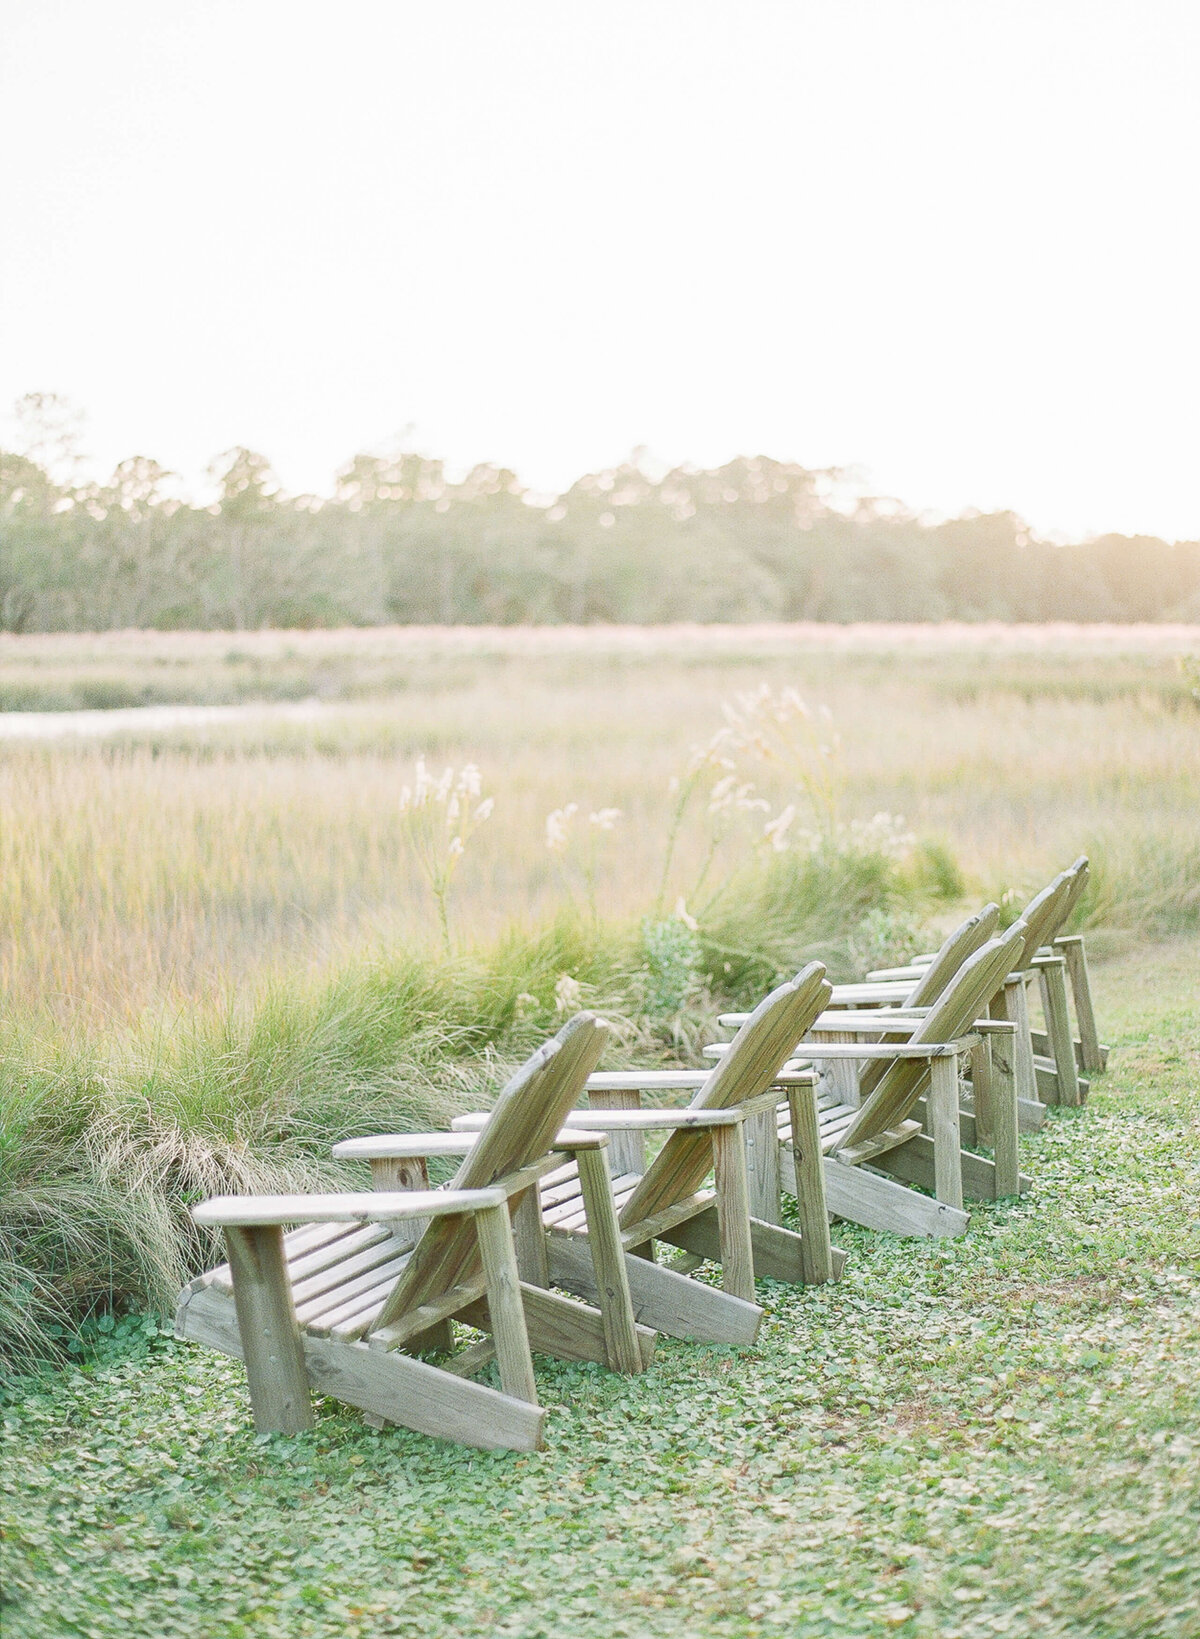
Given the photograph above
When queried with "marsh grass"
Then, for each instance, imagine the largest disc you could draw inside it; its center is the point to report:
(218, 954)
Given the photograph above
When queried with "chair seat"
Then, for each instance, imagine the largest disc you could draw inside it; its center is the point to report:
(340, 1274)
(833, 1118)
(562, 1198)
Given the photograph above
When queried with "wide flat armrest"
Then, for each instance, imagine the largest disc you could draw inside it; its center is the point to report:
(820, 1051)
(584, 1137)
(874, 993)
(373, 1206)
(648, 1081)
(876, 1019)
(402, 1146)
(889, 975)
(1047, 959)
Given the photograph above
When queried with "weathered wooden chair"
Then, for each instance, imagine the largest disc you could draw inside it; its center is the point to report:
(1048, 1062)
(908, 1127)
(343, 1303)
(668, 1200)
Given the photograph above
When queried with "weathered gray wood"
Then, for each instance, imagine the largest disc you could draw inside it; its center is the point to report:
(947, 1140)
(627, 1149)
(762, 1165)
(414, 1323)
(914, 1164)
(671, 1303)
(1058, 1024)
(249, 1210)
(808, 1170)
(561, 1327)
(949, 1019)
(520, 1131)
(402, 1173)
(981, 1088)
(1093, 1055)
(756, 1055)
(612, 1281)
(530, 1237)
(778, 1253)
(862, 1197)
(513, 1359)
(402, 1146)
(637, 1236)
(271, 1346)
(1014, 1006)
(385, 1384)
(733, 1213)
(1005, 1121)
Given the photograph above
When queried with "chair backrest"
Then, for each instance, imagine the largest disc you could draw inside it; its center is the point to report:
(966, 939)
(963, 942)
(756, 1055)
(951, 1016)
(1043, 912)
(520, 1130)
(1078, 875)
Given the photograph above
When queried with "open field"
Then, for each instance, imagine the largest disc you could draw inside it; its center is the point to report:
(163, 864)
(218, 954)
(995, 1435)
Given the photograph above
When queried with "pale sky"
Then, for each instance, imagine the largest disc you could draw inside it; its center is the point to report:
(952, 242)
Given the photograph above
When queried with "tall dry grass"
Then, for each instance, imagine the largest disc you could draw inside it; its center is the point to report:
(217, 953)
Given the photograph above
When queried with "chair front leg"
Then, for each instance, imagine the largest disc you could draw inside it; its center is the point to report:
(816, 1249)
(733, 1211)
(270, 1334)
(505, 1307)
(612, 1277)
(944, 1129)
(1091, 1053)
(1058, 1027)
(1005, 1115)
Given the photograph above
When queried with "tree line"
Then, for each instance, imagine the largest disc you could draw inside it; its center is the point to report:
(399, 540)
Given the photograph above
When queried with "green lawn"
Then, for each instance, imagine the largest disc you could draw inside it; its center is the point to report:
(999, 1435)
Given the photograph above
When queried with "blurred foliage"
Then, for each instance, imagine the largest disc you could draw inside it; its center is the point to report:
(400, 541)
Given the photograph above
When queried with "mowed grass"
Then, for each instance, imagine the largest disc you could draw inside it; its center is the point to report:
(167, 867)
(994, 1435)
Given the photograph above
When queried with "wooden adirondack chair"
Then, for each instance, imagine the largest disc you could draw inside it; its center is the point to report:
(344, 1302)
(1049, 1061)
(668, 1200)
(910, 1128)
(912, 1062)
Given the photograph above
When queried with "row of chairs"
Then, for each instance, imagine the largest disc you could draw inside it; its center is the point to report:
(888, 1104)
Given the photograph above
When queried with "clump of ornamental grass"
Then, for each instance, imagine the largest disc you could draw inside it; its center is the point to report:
(442, 816)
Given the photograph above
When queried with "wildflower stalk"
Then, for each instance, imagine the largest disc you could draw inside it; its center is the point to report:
(442, 816)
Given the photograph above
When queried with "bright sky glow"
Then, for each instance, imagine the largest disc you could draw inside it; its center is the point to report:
(952, 242)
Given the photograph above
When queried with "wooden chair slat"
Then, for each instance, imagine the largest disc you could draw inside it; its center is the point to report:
(757, 1054)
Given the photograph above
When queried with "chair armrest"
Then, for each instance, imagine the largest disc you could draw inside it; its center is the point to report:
(1045, 959)
(580, 1138)
(402, 1147)
(820, 1051)
(874, 994)
(872, 1021)
(890, 975)
(246, 1211)
(645, 1081)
